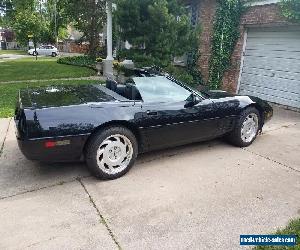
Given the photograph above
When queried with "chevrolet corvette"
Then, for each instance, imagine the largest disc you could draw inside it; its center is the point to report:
(108, 125)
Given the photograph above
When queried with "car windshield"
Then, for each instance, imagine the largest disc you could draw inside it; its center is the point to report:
(160, 89)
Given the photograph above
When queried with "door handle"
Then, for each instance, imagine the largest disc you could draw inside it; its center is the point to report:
(151, 112)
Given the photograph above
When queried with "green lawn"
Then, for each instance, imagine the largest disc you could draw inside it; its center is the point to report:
(9, 92)
(293, 228)
(43, 68)
(14, 52)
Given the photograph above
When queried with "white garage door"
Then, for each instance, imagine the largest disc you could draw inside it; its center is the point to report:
(271, 66)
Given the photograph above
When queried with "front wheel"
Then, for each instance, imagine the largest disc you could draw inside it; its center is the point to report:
(34, 53)
(53, 54)
(111, 152)
(246, 128)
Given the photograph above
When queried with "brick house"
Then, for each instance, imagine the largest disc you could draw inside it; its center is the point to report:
(266, 59)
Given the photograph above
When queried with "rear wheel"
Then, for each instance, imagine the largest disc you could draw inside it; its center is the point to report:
(111, 152)
(246, 128)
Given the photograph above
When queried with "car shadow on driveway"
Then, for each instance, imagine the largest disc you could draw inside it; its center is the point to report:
(19, 175)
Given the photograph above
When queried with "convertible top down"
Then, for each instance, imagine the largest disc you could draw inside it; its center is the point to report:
(109, 125)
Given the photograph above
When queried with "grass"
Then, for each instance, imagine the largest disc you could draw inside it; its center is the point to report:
(293, 228)
(9, 92)
(43, 68)
(14, 52)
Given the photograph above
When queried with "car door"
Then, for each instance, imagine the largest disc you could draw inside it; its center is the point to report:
(172, 124)
(41, 50)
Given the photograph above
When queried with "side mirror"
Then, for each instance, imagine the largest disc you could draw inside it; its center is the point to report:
(191, 101)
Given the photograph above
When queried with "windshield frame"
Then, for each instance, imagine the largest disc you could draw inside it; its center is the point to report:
(191, 90)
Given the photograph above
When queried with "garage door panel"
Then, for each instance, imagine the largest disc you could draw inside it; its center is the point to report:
(276, 40)
(272, 83)
(270, 98)
(290, 65)
(274, 46)
(291, 47)
(274, 34)
(271, 67)
(274, 54)
(272, 73)
(272, 91)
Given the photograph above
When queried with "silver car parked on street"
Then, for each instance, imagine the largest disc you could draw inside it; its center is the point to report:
(47, 50)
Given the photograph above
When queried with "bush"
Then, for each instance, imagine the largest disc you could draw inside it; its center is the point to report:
(180, 73)
(83, 61)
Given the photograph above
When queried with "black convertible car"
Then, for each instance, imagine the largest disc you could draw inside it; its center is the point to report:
(108, 126)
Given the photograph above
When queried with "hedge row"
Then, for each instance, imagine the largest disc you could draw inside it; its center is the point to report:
(83, 61)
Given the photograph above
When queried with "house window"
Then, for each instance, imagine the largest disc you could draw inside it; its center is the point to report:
(193, 9)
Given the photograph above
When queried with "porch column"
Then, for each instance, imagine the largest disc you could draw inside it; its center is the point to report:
(108, 62)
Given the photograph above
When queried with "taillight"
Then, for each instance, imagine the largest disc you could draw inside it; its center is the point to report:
(50, 144)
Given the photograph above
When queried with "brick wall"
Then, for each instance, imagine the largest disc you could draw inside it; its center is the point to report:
(207, 9)
(263, 15)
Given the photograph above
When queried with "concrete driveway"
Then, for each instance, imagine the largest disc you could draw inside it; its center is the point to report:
(201, 196)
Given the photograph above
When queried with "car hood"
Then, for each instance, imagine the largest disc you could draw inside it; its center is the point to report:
(57, 96)
(216, 94)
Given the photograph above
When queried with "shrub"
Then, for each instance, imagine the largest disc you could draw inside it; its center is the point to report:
(179, 73)
(83, 61)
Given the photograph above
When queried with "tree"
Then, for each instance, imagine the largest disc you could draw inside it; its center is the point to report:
(29, 25)
(291, 9)
(158, 29)
(56, 13)
(88, 16)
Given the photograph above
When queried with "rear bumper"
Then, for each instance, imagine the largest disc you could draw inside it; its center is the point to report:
(67, 149)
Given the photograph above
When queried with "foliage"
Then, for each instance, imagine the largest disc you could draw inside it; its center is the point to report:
(291, 9)
(190, 74)
(56, 14)
(157, 29)
(88, 16)
(27, 23)
(9, 92)
(181, 74)
(85, 61)
(44, 68)
(225, 35)
(293, 228)
(27, 17)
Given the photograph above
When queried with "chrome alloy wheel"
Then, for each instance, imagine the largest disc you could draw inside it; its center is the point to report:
(249, 127)
(114, 154)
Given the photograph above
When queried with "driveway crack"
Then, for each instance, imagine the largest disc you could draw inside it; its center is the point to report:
(102, 219)
(41, 188)
(275, 161)
(5, 136)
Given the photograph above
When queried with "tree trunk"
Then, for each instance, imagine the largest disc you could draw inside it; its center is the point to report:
(34, 43)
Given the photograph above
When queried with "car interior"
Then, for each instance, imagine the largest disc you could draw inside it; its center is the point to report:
(127, 90)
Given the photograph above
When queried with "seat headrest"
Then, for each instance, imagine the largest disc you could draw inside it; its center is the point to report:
(132, 93)
(111, 84)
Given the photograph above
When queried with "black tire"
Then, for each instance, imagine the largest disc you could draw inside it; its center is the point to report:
(53, 54)
(34, 53)
(235, 136)
(94, 143)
